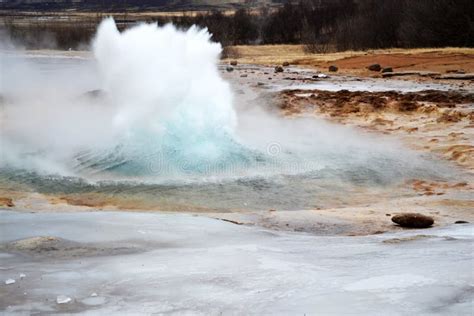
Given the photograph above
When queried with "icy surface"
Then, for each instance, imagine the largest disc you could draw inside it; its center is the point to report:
(194, 265)
(62, 299)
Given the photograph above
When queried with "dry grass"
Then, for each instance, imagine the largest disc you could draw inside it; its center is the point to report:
(277, 54)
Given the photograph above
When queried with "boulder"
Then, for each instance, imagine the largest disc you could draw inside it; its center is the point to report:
(233, 63)
(333, 68)
(387, 69)
(413, 220)
(279, 69)
(374, 67)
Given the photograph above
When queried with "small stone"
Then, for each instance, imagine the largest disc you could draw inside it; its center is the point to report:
(233, 63)
(461, 222)
(374, 67)
(63, 299)
(10, 281)
(279, 69)
(286, 64)
(94, 294)
(229, 69)
(333, 68)
(22, 276)
(387, 69)
(413, 220)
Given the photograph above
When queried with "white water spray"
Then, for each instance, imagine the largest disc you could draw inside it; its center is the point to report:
(157, 74)
(164, 108)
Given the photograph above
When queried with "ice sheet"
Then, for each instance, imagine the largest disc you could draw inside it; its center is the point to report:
(185, 264)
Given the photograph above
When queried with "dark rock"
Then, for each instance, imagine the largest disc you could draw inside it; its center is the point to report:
(233, 63)
(461, 222)
(229, 69)
(387, 69)
(374, 67)
(413, 220)
(333, 68)
(279, 69)
(286, 64)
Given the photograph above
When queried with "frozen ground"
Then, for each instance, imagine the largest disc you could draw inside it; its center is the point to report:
(183, 264)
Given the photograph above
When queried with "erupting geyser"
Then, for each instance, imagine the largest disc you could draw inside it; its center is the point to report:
(173, 110)
(162, 80)
(164, 109)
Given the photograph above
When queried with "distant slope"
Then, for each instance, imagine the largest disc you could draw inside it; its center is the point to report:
(110, 5)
